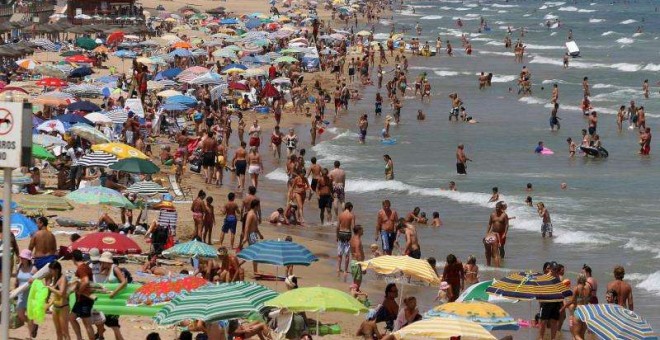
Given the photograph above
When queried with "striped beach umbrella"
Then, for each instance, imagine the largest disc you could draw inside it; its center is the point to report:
(118, 116)
(278, 253)
(216, 302)
(611, 321)
(477, 292)
(530, 286)
(192, 248)
(120, 150)
(89, 133)
(147, 188)
(27, 64)
(442, 328)
(98, 158)
(488, 315)
(406, 265)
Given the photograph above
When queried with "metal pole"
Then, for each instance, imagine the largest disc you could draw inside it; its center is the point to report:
(6, 255)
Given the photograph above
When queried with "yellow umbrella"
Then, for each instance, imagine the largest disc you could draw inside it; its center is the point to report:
(101, 49)
(284, 19)
(170, 20)
(120, 150)
(364, 33)
(389, 265)
(144, 60)
(441, 328)
(488, 315)
(168, 93)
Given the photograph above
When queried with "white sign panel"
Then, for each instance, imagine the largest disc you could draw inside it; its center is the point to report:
(11, 136)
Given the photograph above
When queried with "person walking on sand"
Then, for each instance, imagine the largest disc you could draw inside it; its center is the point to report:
(57, 287)
(198, 210)
(252, 234)
(43, 245)
(231, 220)
(276, 142)
(461, 160)
(385, 223)
(209, 148)
(84, 300)
(255, 165)
(623, 289)
(209, 220)
(546, 225)
(345, 224)
(240, 165)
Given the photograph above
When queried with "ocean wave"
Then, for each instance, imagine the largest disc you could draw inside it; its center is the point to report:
(623, 67)
(640, 245)
(431, 17)
(616, 96)
(603, 86)
(507, 54)
(607, 33)
(503, 6)
(625, 41)
(543, 47)
(446, 73)
(503, 79)
(502, 11)
(568, 9)
(278, 175)
(651, 283)
(550, 16)
(465, 18)
(546, 104)
(462, 9)
(495, 43)
(594, 21)
(554, 3)
(628, 22)
(329, 151)
(652, 67)
(573, 237)
(489, 40)
(409, 13)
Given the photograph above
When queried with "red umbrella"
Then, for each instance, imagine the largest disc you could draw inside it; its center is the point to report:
(164, 290)
(115, 38)
(52, 82)
(238, 86)
(117, 244)
(12, 88)
(79, 59)
(270, 91)
(2, 84)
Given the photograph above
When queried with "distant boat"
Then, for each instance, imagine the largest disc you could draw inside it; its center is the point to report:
(572, 48)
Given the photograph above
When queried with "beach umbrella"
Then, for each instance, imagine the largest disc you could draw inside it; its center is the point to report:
(98, 118)
(363, 33)
(210, 78)
(181, 44)
(169, 73)
(86, 43)
(52, 82)
(125, 54)
(270, 91)
(477, 292)
(611, 321)
(120, 150)
(281, 80)
(279, 253)
(118, 116)
(53, 125)
(216, 302)
(83, 106)
(97, 158)
(488, 315)
(253, 23)
(46, 140)
(192, 248)
(406, 265)
(115, 243)
(115, 38)
(99, 196)
(22, 227)
(12, 206)
(238, 86)
(168, 93)
(27, 64)
(147, 188)
(81, 72)
(234, 66)
(181, 99)
(74, 119)
(40, 152)
(180, 52)
(163, 290)
(530, 286)
(174, 107)
(50, 71)
(135, 165)
(229, 21)
(79, 59)
(45, 202)
(442, 328)
(89, 133)
(192, 72)
(285, 59)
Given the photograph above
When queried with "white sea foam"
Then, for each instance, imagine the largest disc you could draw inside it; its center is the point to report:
(637, 34)
(652, 67)
(484, 39)
(409, 13)
(554, 3)
(278, 175)
(581, 10)
(431, 17)
(502, 11)
(572, 237)
(628, 22)
(446, 73)
(550, 16)
(495, 43)
(504, 6)
(640, 245)
(532, 100)
(543, 7)
(623, 67)
(553, 33)
(543, 47)
(608, 33)
(594, 21)
(462, 8)
(625, 41)
(568, 9)
(603, 86)
(651, 283)
(507, 54)
(503, 78)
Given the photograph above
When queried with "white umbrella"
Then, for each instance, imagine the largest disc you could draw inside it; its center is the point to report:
(98, 118)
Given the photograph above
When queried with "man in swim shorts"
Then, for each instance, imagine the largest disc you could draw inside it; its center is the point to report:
(252, 233)
(411, 248)
(498, 227)
(461, 160)
(338, 177)
(231, 220)
(43, 244)
(385, 223)
(345, 224)
(240, 165)
(209, 146)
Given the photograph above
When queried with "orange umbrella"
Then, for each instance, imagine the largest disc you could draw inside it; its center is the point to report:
(115, 38)
(181, 44)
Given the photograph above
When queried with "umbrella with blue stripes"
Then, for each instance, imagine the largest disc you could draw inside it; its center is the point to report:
(530, 286)
(279, 253)
(181, 99)
(611, 321)
(193, 248)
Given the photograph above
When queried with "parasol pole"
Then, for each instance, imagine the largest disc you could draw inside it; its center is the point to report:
(6, 254)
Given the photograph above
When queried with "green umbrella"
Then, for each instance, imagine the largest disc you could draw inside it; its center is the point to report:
(69, 53)
(136, 165)
(285, 59)
(477, 292)
(216, 302)
(86, 43)
(100, 196)
(40, 152)
(45, 202)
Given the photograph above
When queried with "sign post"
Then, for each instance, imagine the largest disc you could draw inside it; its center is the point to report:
(15, 151)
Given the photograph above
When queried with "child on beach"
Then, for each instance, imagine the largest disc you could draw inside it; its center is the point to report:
(374, 251)
(209, 221)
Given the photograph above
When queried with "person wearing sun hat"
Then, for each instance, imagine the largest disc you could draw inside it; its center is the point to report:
(94, 257)
(24, 274)
(230, 266)
(110, 273)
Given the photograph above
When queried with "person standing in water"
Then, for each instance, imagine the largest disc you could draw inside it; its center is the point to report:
(461, 160)
(546, 225)
(363, 124)
(554, 120)
(498, 227)
(389, 167)
(623, 289)
(345, 225)
(385, 231)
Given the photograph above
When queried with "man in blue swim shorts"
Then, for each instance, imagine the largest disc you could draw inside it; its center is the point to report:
(231, 210)
(43, 245)
(385, 227)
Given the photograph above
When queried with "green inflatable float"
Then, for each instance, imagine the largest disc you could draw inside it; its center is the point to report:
(117, 305)
(36, 306)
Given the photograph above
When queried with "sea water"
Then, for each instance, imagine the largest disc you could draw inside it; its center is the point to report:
(609, 213)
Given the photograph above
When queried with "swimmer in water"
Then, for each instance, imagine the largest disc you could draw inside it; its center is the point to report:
(385, 133)
(420, 115)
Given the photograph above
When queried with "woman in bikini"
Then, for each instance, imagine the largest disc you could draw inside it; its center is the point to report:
(581, 296)
(60, 302)
(471, 271)
(297, 192)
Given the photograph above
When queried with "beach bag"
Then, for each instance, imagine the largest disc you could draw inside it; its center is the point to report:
(196, 166)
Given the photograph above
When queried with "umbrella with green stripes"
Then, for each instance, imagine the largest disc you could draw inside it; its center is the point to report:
(192, 248)
(40, 152)
(477, 292)
(216, 302)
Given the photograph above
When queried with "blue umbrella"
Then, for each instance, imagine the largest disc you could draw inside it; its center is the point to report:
(279, 253)
(231, 66)
(229, 21)
(22, 227)
(168, 74)
(83, 106)
(174, 107)
(611, 321)
(81, 72)
(181, 99)
(180, 52)
(13, 204)
(253, 23)
(106, 79)
(73, 119)
(125, 54)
